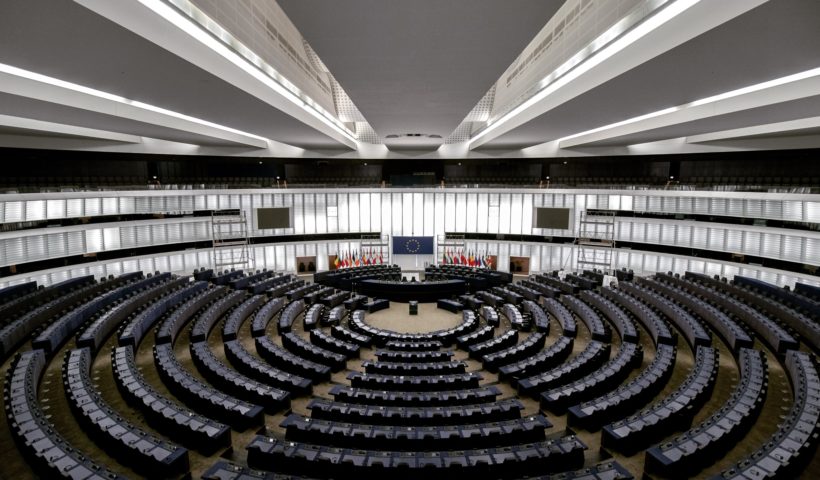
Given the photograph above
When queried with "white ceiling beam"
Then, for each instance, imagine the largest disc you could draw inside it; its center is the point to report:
(778, 128)
(674, 25)
(793, 87)
(16, 81)
(159, 23)
(62, 129)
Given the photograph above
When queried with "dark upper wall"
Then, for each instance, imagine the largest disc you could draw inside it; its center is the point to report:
(44, 167)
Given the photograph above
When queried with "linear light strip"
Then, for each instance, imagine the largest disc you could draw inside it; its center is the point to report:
(250, 63)
(56, 82)
(651, 24)
(714, 99)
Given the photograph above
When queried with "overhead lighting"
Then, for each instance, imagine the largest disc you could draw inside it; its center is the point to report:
(759, 87)
(248, 61)
(572, 69)
(56, 82)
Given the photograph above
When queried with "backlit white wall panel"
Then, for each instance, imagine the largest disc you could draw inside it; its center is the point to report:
(777, 243)
(420, 211)
(23, 246)
(455, 202)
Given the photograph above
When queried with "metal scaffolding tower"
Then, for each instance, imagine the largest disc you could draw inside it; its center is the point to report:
(596, 241)
(231, 243)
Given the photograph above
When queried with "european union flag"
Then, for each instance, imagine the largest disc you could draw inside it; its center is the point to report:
(412, 245)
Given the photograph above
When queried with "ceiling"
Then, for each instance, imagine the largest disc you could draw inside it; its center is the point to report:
(418, 66)
(410, 67)
(768, 42)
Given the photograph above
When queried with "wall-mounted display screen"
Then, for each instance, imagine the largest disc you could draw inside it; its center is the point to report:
(272, 218)
(556, 218)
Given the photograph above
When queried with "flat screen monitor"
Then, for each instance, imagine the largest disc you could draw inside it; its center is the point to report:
(554, 218)
(267, 218)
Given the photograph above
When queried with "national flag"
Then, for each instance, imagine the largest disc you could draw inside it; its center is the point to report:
(381, 258)
(336, 260)
(472, 259)
(455, 258)
(463, 258)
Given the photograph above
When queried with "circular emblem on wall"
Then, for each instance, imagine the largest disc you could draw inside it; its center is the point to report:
(412, 245)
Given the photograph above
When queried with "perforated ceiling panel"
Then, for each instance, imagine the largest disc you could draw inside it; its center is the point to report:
(478, 115)
(264, 28)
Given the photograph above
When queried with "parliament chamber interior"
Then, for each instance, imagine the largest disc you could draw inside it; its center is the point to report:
(491, 239)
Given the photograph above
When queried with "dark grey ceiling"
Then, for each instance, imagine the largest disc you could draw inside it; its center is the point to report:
(418, 66)
(778, 38)
(65, 40)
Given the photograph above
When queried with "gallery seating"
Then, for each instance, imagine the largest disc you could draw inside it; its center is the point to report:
(540, 319)
(657, 328)
(419, 438)
(544, 360)
(57, 333)
(694, 333)
(673, 412)
(206, 321)
(799, 313)
(312, 317)
(526, 349)
(439, 403)
(204, 398)
(794, 444)
(253, 367)
(627, 398)
(304, 349)
(408, 369)
(349, 336)
(418, 383)
(596, 383)
(592, 357)
(43, 447)
(560, 312)
(462, 396)
(170, 327)
(426, 413)
(721, 323)
(101, 328)
(165, 414)
(70, 292)
(288, 316)
(130, 444)
(265, 315)
(232, 324)
(596, 326)
(700, 446)
(287, 361)
(301, 458)
(505, 340)
(333, 344)
(723, 295)
(414, 357)
(617, 317)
